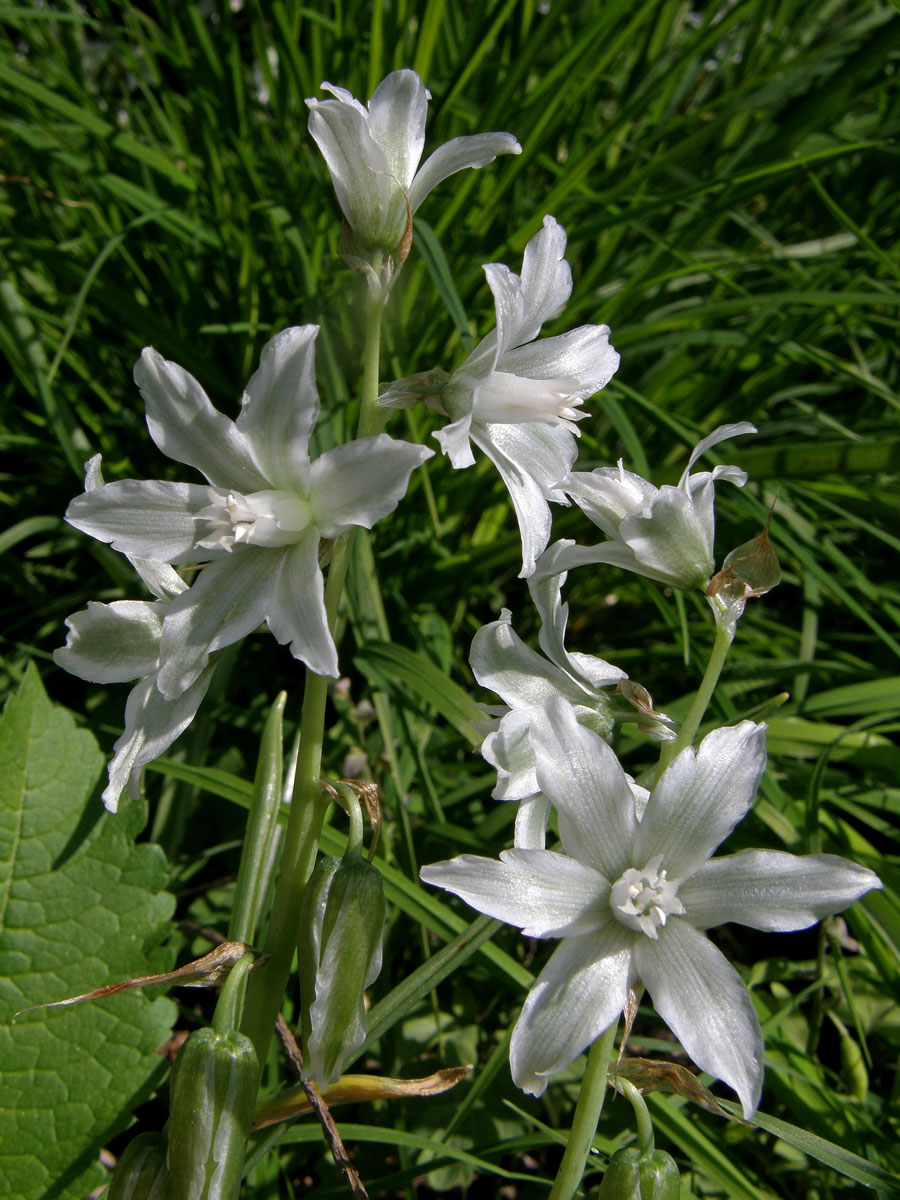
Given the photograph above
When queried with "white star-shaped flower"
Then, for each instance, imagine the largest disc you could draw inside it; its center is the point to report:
(517, 398)
(632, 891)
(664, 533)
(259, 522)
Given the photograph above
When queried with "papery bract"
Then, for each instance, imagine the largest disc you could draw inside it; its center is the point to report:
(260, 522)
(632, 891)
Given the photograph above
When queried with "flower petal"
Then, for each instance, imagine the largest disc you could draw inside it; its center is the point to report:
(706, 1004)
(297, 610)
(184, 425)
(227, 601)
(581, 776)
(531, 459)
(582, 355)
(543, 288)
(771, 890)
(674, 542)
(144, 518)
(151, 726)
(281, 404)
(112, 643)
(509, 750)
(520, 676)
(590, 672)
(718, 435)
(540, 892)
(609, 494)
(454, 442)
(700, 798)
(532, 815)
(579, 993)
(397, 114)
(361, 482)
(359, 170)
(476, 150)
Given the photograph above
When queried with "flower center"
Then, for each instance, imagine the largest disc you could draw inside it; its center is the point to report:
(508, 399)
(268, 518)
(644, 899)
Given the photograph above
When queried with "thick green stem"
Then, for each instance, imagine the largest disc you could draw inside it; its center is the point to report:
(691, 723)
(587, 1114)
(308, 804)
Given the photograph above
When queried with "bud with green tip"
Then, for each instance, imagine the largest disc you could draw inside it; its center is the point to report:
(141, 1172)
(339, 955)
(634, 1174)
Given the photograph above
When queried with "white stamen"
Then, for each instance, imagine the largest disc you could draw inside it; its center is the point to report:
(267, 518)
(645, 899)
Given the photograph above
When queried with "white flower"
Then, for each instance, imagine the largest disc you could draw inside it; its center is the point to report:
(664, 533)
(524, 679)
(517, 398)
(373, 154)
(118, 642)
(632, 892)
(259, 522)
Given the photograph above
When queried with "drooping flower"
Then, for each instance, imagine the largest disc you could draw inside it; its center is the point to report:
(524, 679)
(373, 154)
(259, 524)
(518, 398)
(664, 533)
(631, 892)
(118, 642)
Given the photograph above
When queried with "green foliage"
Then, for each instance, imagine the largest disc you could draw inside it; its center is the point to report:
(725, 177)
(82, 906)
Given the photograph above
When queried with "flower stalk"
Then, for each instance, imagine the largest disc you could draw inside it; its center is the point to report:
(587, 1114)
(721, 645)
(308, 804)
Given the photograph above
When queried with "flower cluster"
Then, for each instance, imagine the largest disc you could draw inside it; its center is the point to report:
(632, 887)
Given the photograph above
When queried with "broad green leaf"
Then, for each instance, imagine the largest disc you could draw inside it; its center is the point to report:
(80, 906)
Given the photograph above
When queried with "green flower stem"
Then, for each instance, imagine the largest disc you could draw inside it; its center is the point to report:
(262, 822)
(231, 998)
(587, 1114)
(372, 419)
(641, 1115)
(308, 804)
(691, 723)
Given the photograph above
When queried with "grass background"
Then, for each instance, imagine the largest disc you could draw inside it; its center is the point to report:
(726, 175)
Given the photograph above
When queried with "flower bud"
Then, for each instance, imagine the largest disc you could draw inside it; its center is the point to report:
(141, 1172)
(636, 1175)
(213, 1095)
(339, 956)
(214, 1087)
